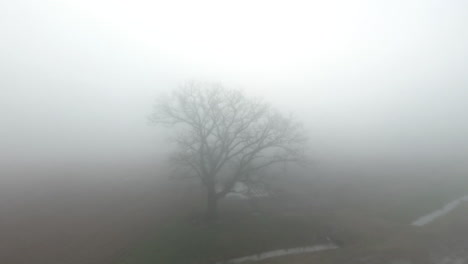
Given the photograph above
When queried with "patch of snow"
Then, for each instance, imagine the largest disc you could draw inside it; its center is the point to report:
(424, 220)
(236, 196)
(280, 253)
(241, 191)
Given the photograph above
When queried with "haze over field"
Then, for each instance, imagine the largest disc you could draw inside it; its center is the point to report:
(380, 87)
(371, 79)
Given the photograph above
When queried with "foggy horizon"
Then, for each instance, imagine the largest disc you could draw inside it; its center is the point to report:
(80, 77)
(93, 173)
(368, 79)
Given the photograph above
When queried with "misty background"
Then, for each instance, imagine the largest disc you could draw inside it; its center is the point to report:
(375, 82)
(380, 86)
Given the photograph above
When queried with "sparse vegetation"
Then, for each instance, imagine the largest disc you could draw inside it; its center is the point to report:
(369, 228)
(238, 235)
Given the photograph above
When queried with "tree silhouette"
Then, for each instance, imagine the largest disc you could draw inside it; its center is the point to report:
(225, 136)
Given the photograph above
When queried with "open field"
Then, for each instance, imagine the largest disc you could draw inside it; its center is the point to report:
(84, 215)
(114, 214)
(370, 222)
(444, 241)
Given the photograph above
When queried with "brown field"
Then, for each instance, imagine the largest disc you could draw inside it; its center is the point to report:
(97, 214)
(87, 215)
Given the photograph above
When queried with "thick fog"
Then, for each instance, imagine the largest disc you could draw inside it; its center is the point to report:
(380, 86)
(373, 81)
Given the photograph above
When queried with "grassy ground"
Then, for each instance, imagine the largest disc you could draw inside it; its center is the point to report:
(183, 242)
(97, 214)
(442, 241)
(371, 220)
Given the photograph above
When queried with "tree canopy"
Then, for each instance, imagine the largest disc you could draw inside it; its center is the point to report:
(224, 137)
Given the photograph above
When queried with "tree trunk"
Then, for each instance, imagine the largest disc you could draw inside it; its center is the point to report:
(211, 206)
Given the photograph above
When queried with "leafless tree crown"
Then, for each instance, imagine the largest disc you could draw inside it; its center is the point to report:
(225, 134)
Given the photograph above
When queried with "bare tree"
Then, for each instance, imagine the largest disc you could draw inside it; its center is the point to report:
(225, 137)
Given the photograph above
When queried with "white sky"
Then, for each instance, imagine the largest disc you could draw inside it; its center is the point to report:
(369, 78)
